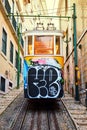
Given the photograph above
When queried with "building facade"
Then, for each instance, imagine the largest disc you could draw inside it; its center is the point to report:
(66, 9)
(9, 44)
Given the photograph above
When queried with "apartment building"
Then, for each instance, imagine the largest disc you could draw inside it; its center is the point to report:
(65, 8)
(9, 43)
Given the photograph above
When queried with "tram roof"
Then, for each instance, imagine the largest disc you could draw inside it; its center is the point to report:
(43, 32)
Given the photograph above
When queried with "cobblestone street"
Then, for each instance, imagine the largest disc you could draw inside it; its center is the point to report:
(77, 111)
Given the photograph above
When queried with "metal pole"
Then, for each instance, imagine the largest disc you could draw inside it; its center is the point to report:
(75, 54)
(18, 65)
(40, 16)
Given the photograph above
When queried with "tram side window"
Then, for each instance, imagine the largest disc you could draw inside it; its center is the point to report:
(29, 45)
(57, 45)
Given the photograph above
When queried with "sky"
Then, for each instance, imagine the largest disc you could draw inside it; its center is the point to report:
(52, 6)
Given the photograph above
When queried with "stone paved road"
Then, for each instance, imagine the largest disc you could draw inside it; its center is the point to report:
(77, 111)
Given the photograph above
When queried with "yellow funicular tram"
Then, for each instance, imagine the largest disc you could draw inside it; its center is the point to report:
(43, 64)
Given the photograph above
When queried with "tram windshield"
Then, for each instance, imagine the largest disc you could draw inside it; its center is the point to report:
(44, 45)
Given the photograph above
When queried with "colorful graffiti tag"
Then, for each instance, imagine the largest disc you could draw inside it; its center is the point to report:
(42, 78)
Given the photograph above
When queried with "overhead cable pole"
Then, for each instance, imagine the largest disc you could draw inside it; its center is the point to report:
(75, 54)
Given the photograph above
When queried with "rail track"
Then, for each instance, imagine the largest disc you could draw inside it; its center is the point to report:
(24, 114)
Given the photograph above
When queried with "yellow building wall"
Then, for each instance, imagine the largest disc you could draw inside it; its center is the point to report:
(7, 69)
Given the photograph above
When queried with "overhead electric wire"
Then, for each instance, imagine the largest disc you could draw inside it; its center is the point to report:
(50, 13)
(47, 13)
(55, 9)
(61, 9)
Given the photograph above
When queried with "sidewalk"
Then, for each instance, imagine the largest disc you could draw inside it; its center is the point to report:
(6, 99)
(77, 111)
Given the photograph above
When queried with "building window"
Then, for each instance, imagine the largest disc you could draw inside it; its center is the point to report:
(2, 84)
(4, 41)
(11, 52)
(16, 60)
(7, 6)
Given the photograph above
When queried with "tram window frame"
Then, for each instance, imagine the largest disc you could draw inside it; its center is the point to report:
(30, 46)
(57, 45)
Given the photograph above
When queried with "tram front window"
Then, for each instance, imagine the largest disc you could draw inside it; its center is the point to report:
(44, 45)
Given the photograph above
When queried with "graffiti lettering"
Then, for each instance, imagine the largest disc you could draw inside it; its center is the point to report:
(43, 81)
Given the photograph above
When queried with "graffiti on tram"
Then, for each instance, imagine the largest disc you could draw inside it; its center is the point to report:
(44, 78)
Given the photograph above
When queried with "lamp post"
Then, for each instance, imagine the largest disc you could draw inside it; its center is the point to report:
(75, 54)
(18, 58)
